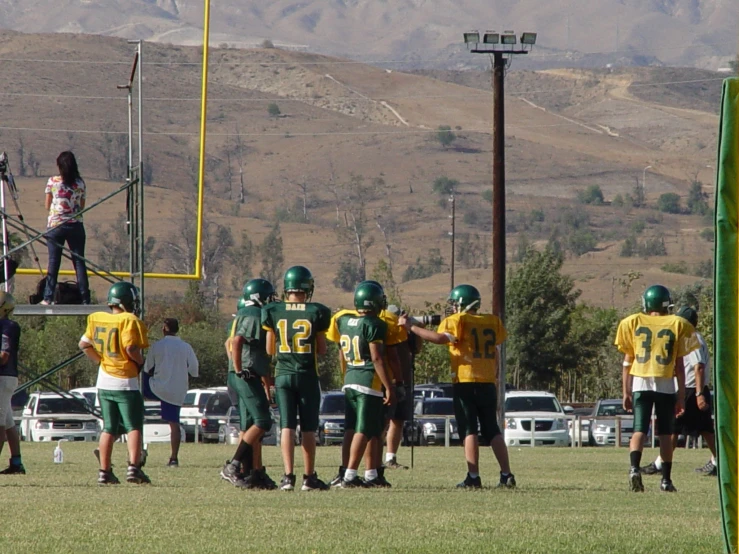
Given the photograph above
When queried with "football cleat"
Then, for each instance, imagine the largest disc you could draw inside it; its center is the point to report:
(107, 478)
(379, 482)
(651, 469)
(708, 469)
(393, 464)
(173, 463)
(14, 469)
(288, 482)
(635, 480)
(355, 483)
(135, 476)
(667, 486)
(232, 473)
(336, 481)
(507, 481)
(470, 483)
(313, 483)
(265, 481)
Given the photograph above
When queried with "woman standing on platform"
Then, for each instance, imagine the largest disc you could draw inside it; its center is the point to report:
(65, 199)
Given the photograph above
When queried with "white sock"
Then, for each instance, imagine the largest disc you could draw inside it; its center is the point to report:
(389, 457)
(350, 474)
(713, 460)
(370, 474)
(474, 475)
(658, 462)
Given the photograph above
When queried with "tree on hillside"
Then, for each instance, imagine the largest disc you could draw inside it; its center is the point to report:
(592, 195)
(444, 185)
(697, 199)
(540, 301)
(383, 274)
(669, 202)
(273, 110)
(273, 257)
(353, 197)
(445, 135)
(433, 264)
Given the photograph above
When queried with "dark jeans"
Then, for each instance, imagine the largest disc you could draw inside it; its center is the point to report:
(74, 235)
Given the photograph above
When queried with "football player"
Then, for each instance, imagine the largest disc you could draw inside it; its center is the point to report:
(653, 344)
(11, 334)
(361, 337)
(394, 347)
(115, 341)
(296, 336)
(249, 378)
(473, 341)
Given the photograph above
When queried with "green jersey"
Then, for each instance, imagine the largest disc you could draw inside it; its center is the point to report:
(230, 334)
(296, 326)
(247, 324)
(356, 333)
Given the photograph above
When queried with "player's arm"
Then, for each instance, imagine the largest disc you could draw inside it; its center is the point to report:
(393, 360)
(425, 334)
(135, 353)
(376, 350)
(680, 375)
(237, 343)
(321, 346)
(193, 366)
(7, 340)
(700, 383)
(227, 346)
(627, 381)
(271, 343)
(89, 350)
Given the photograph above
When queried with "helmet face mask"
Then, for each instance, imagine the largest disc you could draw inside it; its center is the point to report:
(257, 291)
(464, 298)
(368, 297)
(299, 279)
(656, 299)
(125, 296)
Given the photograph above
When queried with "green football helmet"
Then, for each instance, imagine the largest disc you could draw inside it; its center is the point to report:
(656, 299)
(464, 298)
(299, 279)
(369, 297)
(124, 295)
(240, 304)
(384, 296)
(686, 312)
(258, 291)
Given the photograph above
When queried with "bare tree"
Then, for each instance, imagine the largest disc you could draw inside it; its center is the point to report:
(240, 155)
(357, 194)
(21, 156)
(34, 164)
(114, 150)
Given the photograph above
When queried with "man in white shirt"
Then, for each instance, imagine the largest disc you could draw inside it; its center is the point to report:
(168, 364)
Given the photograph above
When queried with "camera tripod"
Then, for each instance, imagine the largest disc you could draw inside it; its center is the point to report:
(7, 180)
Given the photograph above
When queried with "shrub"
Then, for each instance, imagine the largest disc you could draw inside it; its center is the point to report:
(669, 202)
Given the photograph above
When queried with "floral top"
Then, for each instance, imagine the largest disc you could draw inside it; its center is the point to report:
(66, 201)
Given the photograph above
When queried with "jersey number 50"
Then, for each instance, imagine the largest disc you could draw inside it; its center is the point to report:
(106, 341)
(300, 340)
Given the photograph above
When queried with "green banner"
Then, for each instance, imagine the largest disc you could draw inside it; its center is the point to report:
(726, 335)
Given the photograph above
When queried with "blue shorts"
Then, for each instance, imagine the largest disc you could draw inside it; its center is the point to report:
(170, 412)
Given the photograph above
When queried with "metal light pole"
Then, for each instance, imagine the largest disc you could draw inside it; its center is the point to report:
(644, 181)
(500, 46)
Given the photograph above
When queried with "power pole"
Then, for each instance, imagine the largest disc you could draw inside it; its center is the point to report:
(453, 235)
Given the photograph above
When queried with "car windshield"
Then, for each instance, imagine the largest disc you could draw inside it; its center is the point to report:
(218, 405)
(532, 404)
(611, 410)
(439, 407)
(333, 404)
(61, 406)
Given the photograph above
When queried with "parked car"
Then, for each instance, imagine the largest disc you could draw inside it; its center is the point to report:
(331, 418)
(421, 392)
(155, 428)
(581, 432)
(522, 408)
(90, 394)
(229, 430)
(17, 402)
(431, 416)
(191, 412)
(445, 388)
(603, 431)
(49, 416)
(214, 415)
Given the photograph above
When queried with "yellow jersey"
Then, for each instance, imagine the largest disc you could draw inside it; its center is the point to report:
(655, 342)
(110, 334)
(395, 333)
(474, 339)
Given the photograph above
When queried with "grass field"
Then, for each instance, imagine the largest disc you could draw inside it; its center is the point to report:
(566, 501)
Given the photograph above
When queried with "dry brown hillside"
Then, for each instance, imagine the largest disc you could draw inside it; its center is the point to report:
(340, 119)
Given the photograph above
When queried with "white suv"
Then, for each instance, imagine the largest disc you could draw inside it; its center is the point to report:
(48, 416)
(192, 409)
(540, 409)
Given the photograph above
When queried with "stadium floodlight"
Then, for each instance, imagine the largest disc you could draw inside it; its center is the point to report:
(528, 38)
(472, 37)
(491, 37)
(508, 37)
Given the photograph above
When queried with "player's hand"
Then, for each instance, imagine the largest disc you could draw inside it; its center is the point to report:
(267, 384)
(389, 396)
(403, 320)
(702, 404)
(628, 402)
(679, 406)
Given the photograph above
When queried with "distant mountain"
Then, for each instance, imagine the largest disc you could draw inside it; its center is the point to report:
(420, 33)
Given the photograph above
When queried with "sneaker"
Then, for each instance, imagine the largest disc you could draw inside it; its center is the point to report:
(107, 478)
(14, 469)
(470, 483)
(507, 481)
(46, 303)
(667, 486)
(708, 469)
(288, 482)
(393, 464)
(635, 480)
(355, 483)
(265, 481)
(313, 483)
(173, 463)
(232, 473)
(651, 469)
(336, 481)
(136, 476)
(379, 482)
(713, 472)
